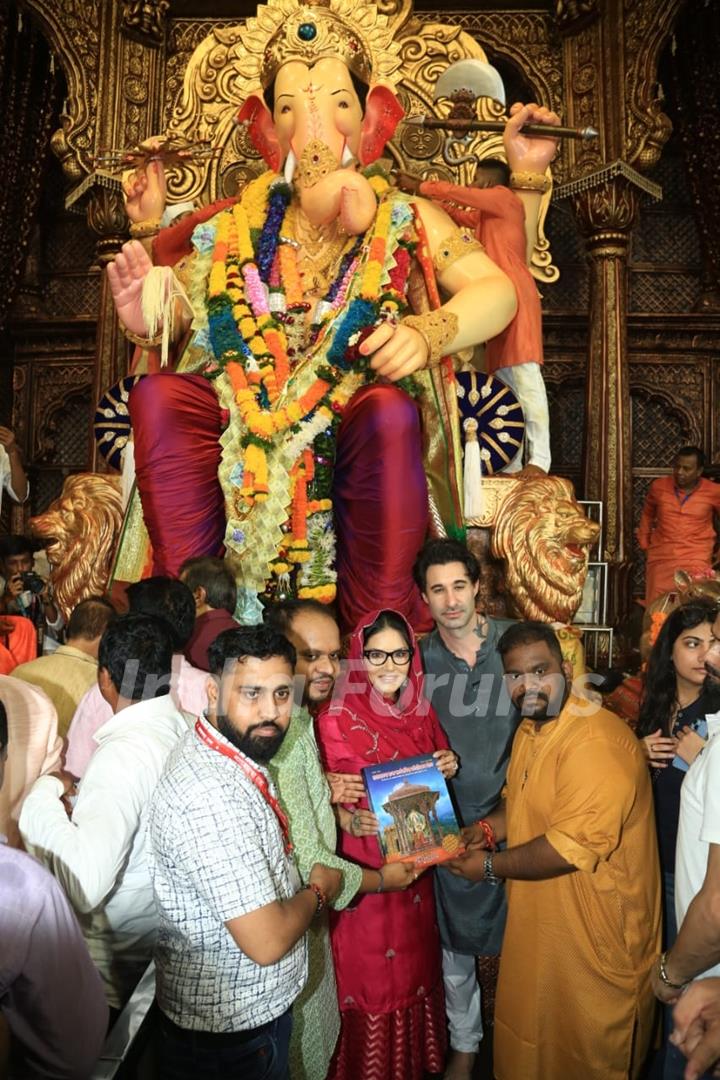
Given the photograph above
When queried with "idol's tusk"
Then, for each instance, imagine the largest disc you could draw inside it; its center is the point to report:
(290, 163)
(347, 157)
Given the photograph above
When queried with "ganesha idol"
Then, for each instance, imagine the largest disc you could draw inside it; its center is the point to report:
(308, 424)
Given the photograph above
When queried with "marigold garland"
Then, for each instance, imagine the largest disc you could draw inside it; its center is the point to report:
(254, 289)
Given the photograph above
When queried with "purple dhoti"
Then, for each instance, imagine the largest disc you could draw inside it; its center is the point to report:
(379, 488)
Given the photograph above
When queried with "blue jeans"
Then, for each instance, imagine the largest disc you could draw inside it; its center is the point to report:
(260, 1054)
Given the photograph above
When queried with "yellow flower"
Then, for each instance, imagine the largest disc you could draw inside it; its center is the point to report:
(244, 243)
(254, 198)
(216, 285)
(379, 185)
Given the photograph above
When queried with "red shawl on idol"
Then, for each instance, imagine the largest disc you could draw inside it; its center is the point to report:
(386, 946)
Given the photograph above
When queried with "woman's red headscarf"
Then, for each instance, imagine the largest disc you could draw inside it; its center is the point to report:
(360, 722)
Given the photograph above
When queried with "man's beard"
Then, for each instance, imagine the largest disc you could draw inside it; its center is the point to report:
(541, 707)
(261, 748)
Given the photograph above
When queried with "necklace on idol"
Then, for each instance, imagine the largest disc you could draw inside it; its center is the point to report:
(254, 775)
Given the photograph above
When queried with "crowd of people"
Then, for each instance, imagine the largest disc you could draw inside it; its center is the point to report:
(189, 790)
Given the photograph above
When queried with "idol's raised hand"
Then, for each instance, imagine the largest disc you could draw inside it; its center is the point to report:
(126, 274)
(529, 153)
(144, 187)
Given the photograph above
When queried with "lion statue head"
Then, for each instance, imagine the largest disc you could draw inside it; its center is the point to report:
(544, 539)
(79, 532)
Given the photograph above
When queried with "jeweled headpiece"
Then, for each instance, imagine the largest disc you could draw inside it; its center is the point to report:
(348, 30)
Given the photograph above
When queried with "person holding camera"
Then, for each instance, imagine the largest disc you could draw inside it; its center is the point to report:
(25, 592)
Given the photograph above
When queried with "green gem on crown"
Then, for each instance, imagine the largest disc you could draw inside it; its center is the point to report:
(307, 31)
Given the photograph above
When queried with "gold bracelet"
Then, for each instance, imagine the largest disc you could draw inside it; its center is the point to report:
(140, 230)
(460, 242)
(143, 342)
(529, 181)
(438, 328)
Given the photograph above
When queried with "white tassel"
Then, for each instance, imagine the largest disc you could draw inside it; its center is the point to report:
(472, 473)
(161, 290)
(127, 481)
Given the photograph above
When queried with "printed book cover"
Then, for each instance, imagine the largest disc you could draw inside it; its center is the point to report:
(411, 801)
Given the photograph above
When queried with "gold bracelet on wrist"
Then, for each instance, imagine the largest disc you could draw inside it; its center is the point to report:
(143, 342)
(529, 181)
(438, 328)
(140, 230)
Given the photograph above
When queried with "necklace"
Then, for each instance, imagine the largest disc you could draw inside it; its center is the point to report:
(320, 249)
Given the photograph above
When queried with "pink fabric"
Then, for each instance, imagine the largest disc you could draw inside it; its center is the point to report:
(176, 430)
(188, 689)
(399, 961)
(379, 488)
(34, 748)
(381, 506)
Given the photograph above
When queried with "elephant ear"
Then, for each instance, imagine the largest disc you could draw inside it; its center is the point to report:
(383, 113)
(258, 117)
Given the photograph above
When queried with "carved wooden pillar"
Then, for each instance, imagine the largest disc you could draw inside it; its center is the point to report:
(607, 47)
(606, 209)
(107, 218)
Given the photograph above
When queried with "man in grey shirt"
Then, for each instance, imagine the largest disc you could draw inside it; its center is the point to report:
(464, 682)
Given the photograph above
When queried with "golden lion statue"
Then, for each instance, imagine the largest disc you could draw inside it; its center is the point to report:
(543, 537)
(79, 532)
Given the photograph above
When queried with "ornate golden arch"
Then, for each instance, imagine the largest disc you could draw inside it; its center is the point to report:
(71, 28)
(215, 86)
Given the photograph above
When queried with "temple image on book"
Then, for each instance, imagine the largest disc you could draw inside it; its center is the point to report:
(411, 801)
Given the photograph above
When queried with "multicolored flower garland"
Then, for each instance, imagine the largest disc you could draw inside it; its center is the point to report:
(254, 301)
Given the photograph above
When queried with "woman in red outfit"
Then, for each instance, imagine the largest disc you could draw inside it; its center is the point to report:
(386, 947)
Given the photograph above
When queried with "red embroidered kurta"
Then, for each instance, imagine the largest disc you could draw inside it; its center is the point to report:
(386, 947)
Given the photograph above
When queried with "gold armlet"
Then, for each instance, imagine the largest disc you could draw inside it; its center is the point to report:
(529, 181)
(143, 342)
(460, 242)
(140, 230)
(438, 328)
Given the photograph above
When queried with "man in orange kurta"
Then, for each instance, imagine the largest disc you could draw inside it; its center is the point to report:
(574, 998)
(677, 526)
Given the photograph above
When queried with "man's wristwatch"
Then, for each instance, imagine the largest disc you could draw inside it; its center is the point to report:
(488, 874)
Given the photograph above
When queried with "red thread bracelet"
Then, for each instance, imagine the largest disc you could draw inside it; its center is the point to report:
(319, 896)
(489, 833)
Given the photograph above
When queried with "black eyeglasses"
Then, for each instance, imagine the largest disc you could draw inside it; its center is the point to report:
(377, 657)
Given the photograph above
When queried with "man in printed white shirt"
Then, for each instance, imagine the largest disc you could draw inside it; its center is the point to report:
(696, 950)
(100, 853)
(231, 956)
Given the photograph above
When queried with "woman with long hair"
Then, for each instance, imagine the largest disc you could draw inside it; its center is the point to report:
(671, 724)
(386, 947)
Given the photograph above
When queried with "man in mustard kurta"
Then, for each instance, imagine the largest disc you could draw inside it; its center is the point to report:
(574, 999)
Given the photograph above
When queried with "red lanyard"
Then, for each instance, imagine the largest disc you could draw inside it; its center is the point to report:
(254, 776)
